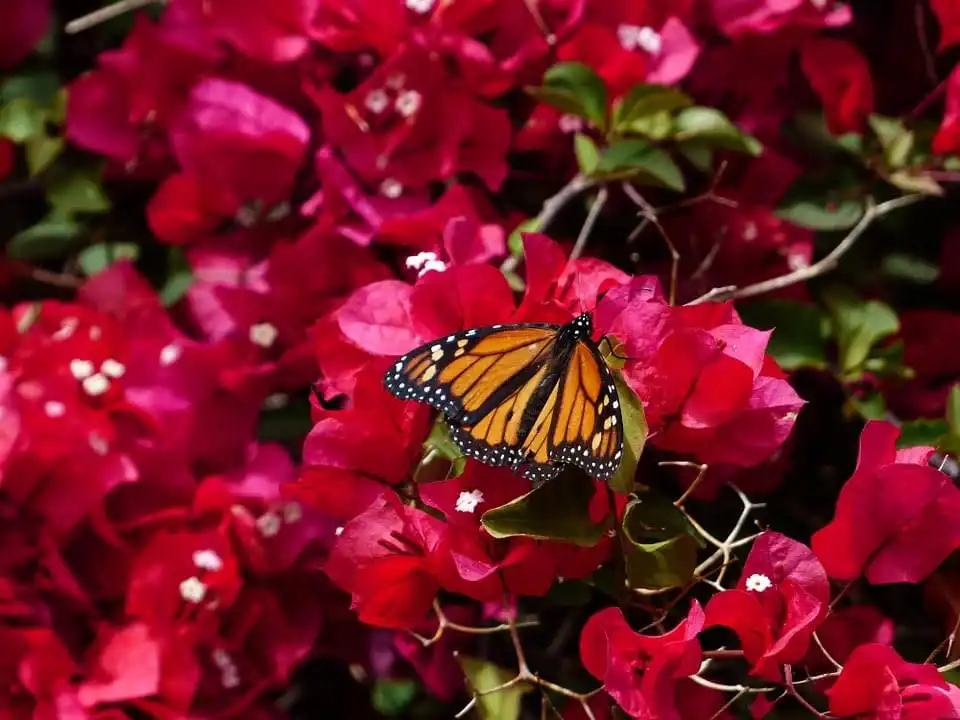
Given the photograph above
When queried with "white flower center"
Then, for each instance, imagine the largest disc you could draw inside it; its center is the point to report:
(263, 334)
(96, 384)
(54, 409)
(408, 102)
(758, 583)
(390, 188)
(208, 560)
(649, 40)
(193, 590)
(67, 327)
(81, 369)
(112, 368)
(169, 355)
(376, 101)
(420, 6)
(269, 524)
(339, 531)
(98, 444)
(467, 501)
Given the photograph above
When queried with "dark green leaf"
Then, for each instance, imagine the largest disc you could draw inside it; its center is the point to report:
(700, 156)
(953, 410)
(645, 100)
(798, 338)
(897, 142)
(921, 432)
(569, 593)
(392, 697)
(659, 550)
(77, 192)
(858, 325)
(642, 160)
(50, 238)
(809, 131)
(441, 444)
(910, 267)
(575, 88)
(871, 406)
(40, 86)
(96, 258)
(515, 241)
(588, 155)
(21, 119)
(41, 151)
(556, 510)
(634, 435)
(714, 129)
(823, 205)
(285, 419)
(179, 278)
(481, 676)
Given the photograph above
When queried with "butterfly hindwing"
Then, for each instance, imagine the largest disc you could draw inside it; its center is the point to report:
(468, 373)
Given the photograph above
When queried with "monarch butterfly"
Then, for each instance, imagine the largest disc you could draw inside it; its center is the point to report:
(531, 396)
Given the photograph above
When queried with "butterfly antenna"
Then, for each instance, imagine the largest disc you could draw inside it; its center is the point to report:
(579, 292)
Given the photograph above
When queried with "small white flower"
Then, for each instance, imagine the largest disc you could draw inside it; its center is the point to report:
(169, 355)
(81, 369)
(54, 409)
(750, 232)
(67, 328)
(570, 124)
(376, 101)
(208, 560)
(420, 6)
(221, 658)
(408, 102)
(339, 531)
(417, 261)
(390, 188)
(193, 590)
(112, 368)
(627, 35)
(98, 444)
(230, 678)
(96, 384)
(758, 583)
(649, 40)
(467, 502)
(269, 524)
(263, 334)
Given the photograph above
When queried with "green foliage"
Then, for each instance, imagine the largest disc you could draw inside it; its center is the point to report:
(481, 676)
(858, 326)
(634, 435)
(799, 332)
(642, 161)
(556, 510)
(645, 101)
(393, 697)
(515, 240)
(50, 238)
(710, 127)
(659, 548)
(588, 155)
(834, 203)
(179, 278)
(442, 445)
(98, 257)
(922, 432)
(574, 88)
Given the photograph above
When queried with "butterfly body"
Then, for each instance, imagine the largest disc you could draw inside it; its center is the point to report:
(531, 396)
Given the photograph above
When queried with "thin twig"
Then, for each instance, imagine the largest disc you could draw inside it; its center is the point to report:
(444, 623)
(947, 641)
(701, 474)
(826, 264)
(588, 224)
(792, 691)
(919, 21)
(649, 214)
(832, 660)
(106, 14)
(47, 277)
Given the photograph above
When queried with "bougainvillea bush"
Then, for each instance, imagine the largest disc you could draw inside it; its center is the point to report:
(224, 220)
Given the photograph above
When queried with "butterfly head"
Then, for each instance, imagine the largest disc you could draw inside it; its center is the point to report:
(581, 327)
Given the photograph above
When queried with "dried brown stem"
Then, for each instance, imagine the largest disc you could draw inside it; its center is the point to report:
(104, 14)
(588, 224)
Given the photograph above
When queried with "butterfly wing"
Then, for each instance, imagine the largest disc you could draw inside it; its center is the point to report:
(469, 374)
(588, 429)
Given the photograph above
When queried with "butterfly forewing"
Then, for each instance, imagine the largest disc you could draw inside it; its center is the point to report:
(468, 373)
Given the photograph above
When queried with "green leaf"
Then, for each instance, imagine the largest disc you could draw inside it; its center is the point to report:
(482, 676)
(284, 419)
(858, 325)
(700, 156)
(915, 183)
(40, 86)
(658, 126)
(179, 278)
(643, 160)
(646, 100)
(634, 435)
(569, 593)
(823, 205)
(897, 142)
(714, 129)
(953, 410)
(809, 131)
(21, 119)
(41, 151)
(99, 257)
(574, 88)
(871, 406)
(911, 268)
(798, 338)
(515, 241)
(440, 443)
(588, 155)
(77, 192)
(659, 550)
(50, 238)
(559, 509)
(921, 432)
(392, 697)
